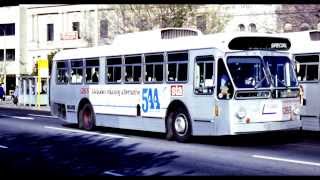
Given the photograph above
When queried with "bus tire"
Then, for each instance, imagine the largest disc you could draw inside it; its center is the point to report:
(86, 118)
(179, 125)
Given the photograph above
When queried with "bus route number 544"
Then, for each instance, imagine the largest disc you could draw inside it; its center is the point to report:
(150, 99)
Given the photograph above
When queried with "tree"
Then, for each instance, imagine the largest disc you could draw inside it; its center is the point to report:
(148, 17)
(50, 59)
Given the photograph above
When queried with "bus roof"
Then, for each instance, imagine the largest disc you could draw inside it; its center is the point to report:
(304, 41)
(147, 44)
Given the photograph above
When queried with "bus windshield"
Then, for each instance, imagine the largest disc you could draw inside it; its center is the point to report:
(247, 72)
(281, 71)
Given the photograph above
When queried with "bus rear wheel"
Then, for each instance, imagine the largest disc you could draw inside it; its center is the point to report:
(86, 118)
(179, 126)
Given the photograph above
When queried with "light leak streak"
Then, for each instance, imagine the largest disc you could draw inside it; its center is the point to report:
(287, 160)
(85, 132)
(112, 173)
(3, 147)
(37, 115)
(17, 117)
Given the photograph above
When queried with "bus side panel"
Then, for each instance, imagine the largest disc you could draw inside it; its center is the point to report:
(71, 117)
(201, 111)
(116, 121)
(201, 106)
(310, 112)
(222, 120)
(311, 93)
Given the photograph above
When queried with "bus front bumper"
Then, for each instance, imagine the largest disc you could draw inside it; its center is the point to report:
(266, 126)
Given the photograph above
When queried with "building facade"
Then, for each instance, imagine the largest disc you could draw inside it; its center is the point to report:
(12, 45)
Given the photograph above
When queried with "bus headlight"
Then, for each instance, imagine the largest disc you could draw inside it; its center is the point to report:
(241, 113)
(296, 111)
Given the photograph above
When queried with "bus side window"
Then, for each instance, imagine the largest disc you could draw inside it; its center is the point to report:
(307, 67)
(113, 69)
(154, 68)
(92, 70)
(133, 69)
(204, 75)
(224, 86)
(62, 73)
(177, 66)
(76, 71)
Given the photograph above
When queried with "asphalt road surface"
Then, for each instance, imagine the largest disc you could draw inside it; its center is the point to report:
(35, 143)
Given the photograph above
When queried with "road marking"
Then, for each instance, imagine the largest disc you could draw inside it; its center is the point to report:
(85, 132)
(287, 160)
(4, 147)
(18, 117)
(113, 174)
(37, 115)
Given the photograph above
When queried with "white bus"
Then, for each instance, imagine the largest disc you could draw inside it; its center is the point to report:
(305, 51)
(221, 84)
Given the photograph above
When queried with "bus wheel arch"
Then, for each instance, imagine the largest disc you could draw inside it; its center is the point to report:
(178, 122)
(86, 115)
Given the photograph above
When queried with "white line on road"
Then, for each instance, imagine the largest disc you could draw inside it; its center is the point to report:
(113, 174)
(85, 132)
(18, 117)
(4, 147)
(287, 160)
(37, 115)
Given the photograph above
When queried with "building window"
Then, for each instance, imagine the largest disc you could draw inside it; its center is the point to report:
(304, 27)
(287, 27)
(76, 27)
(50, 32)
(10, 54)
(7, 29)
(201, 23)
(242, 27)
(104, 28)
(253, 27)
(1, 54)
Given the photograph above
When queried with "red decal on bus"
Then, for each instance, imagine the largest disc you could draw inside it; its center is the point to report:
(177, 90)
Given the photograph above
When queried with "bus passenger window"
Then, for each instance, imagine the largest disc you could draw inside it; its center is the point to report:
(62, 74)
(203, 75)
(76, 71)
(307, 67)
(154, 68)
(133, 69)
(92, 70)
(177, 66)
(113, 68)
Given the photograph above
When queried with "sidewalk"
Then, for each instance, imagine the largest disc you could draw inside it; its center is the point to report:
(9, 104)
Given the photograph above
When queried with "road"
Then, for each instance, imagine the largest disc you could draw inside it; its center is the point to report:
(35, 143)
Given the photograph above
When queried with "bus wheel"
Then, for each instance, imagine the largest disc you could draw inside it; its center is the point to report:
(86, 117)
(179, 126)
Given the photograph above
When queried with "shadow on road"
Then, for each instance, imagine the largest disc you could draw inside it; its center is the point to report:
(254, 139)
(257, 139)
(31, 154)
